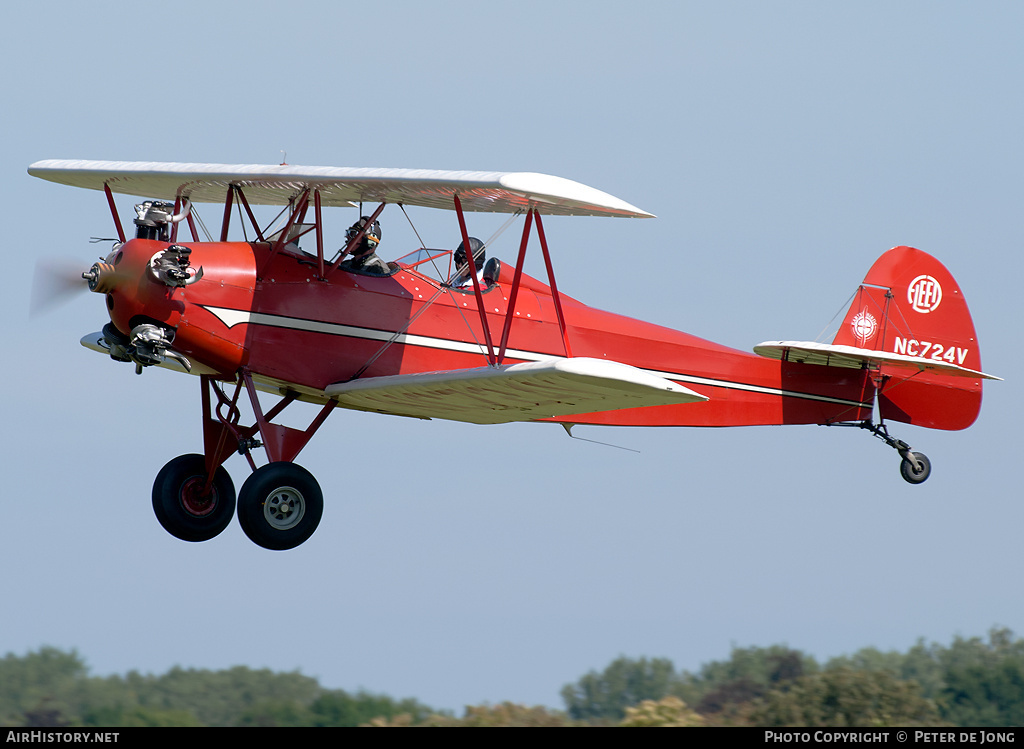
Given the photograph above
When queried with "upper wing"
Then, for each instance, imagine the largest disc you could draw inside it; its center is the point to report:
(514, 392)
(492, 192)
(810, 352)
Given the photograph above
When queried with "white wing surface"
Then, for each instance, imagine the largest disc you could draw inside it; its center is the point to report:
(515, 392)
(490, 192)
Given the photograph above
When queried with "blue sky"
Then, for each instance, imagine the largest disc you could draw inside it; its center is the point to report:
(783, 147)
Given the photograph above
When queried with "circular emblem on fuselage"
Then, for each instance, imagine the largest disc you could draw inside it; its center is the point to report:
(924, 294)
(864, 326)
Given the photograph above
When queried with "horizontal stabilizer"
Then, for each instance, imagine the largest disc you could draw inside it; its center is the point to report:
(515, 392)
(832, 355)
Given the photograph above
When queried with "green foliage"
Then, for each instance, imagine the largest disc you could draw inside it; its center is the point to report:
(281, 713)
(725, 690)
(670, 712)
(41, 688)
(984, 682)
(624, 683)
(843, 697)
(763, 666)
(968, 683)
(52, 688)
(220, 698)
(505, 715)
(138, 717)
(335, 709)
(870, 659)
(338, 708)
(972, 682)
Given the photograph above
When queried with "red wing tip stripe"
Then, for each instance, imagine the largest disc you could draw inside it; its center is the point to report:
(232, 317)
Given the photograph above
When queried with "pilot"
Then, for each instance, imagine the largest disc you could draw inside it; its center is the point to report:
(364, 255)
(462, 278)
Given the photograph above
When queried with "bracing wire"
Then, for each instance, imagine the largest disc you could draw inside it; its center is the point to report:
(434, 297)
(202, 225)
(828, 325)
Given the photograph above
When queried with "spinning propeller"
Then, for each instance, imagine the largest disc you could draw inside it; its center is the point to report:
(54, 283)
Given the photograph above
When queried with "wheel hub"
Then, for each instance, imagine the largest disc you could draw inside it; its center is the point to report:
(194, 501)
(284, 508)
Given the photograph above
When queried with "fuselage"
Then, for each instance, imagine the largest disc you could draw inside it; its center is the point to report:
(270, 314)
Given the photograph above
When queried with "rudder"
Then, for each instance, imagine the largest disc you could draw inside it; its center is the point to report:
(910, 304)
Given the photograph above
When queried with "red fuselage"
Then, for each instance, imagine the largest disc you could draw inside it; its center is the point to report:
(292, 330)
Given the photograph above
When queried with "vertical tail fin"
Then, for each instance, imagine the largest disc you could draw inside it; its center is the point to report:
(910, 304)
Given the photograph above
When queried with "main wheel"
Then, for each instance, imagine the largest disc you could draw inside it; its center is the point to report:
(280, 505)
(183, 508)
(916, 474)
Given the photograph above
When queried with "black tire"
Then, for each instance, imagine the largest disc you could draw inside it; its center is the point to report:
(916, 474)
(280, 506)
(182, 510)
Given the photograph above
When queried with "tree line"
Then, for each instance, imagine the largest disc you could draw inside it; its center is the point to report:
(971, 682)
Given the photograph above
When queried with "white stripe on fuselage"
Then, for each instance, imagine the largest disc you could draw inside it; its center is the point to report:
(232, 317)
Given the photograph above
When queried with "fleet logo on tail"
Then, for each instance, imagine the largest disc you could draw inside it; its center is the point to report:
(864, 326)
(924, 294)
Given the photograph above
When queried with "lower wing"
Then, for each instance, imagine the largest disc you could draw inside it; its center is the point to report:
(515, 392)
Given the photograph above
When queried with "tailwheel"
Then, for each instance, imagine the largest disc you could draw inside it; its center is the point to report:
(915, 467)
(280, 506)
(185, 506)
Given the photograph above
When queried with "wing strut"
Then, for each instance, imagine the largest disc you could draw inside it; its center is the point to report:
(234, 190)
(318, 217)
(113, 211)
(252, 217)
(551, 282)
(227, 214)
(295, 215)
(491, 360)
(533, 215)
(516, 280)
(176, 224)
(192, 227)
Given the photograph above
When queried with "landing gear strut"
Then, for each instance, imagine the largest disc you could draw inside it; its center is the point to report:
(280, 504)
(915, 467)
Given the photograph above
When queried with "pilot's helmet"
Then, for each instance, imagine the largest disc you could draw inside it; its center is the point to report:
(373, 234)
(479, 253)
(372, 237)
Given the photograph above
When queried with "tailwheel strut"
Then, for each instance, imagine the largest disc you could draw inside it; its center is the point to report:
(914, 468)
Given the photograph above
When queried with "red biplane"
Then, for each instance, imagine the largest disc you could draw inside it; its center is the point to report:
(443, 334)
